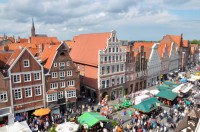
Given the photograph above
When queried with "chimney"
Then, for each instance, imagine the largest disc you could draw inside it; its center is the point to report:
(6, 48)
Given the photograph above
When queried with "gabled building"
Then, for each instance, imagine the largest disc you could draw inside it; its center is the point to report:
(194, 54)
(101, 63)
(163, 50)
(61, 76)
(140, 56)
(183, 49)
(153, 66)
(26, 81)
(130, 69)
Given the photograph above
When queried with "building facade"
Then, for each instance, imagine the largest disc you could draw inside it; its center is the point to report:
(25, 77)
(141, 66)
(153, 66)
(61, 77)
(164, 56)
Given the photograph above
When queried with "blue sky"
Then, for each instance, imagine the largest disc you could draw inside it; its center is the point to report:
(132, 19)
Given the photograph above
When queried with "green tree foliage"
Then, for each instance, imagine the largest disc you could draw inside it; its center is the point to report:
(195, 42)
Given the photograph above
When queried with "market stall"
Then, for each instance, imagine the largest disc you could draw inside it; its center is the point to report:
(166, 97)
(93, 121)
(139, 99)
(154, 92)
(147, 105)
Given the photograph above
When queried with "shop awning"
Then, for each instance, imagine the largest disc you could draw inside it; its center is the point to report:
(154, 92)
(164, 88)
(91, 118)
(147, 105)
(5, 111)
(167, 95)
(176, 89)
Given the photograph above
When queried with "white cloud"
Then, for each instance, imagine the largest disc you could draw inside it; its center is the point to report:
(66, 18)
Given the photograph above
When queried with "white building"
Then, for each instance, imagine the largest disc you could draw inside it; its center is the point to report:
(173, 58)
(153, 66)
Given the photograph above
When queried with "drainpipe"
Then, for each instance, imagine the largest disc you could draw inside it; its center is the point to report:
(44, 87)
(11, 95)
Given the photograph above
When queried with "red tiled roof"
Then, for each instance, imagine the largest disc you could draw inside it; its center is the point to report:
(4, 56)
(161, 49)
(70, 43)
(185, 43)
(86, 47)
(176, 39)
(14, 46)
(34, 51)
(48, 54)
(23, 40)
(14, 56)
(147, 48)
(51, 91)
(44, 40)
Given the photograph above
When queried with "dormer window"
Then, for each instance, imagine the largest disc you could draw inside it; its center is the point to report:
(26, 63)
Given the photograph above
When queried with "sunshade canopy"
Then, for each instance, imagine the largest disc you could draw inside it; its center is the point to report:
(167, 95)
(91, 118)
(183, 80)
(41, 111)
(147, 105)
(164, 87)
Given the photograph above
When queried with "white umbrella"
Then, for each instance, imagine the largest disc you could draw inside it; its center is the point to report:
(67, 127)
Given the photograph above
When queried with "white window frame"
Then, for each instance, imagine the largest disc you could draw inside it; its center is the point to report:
(70, 94)
(54, 75)
(70, 83)
(52, 97)
(62, 75)
(18, 78)
(29, 74)
(26, 63)
(36, 77)
(62, 65)
(18, 91)
(3, 96)
(60, 95)
(38, 91)
(55, 64)
(69, 73)
(62, 84)
(27, 90)
(53, 85)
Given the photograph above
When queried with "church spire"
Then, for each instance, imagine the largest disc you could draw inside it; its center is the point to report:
(32, 29)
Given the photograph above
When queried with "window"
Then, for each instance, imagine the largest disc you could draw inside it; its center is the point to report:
(68, 63)
(117, 68)
(18, 94)
(113, 49)
(109, 49)
(105, 59)
(54, 75)
(109, 58)
(62, 75)
(108, 69)
(70, 83)
(113, 69)
(28, 92)
(52, 97)
(26, 63)
(83, 67)
(122, 80)
(37, 76)
(38, 90)
(113, 58)
(117, 49)
(53, 85)
(16, 78)
(55, 64)
(62, 65)
(62, 84)
(122, 67)
(102, 70)
(117, 58)
(107, 83)
(3, 97)
(70, 94)
(103, 84)
(60, 95)
(69, 73)
(113, 82)
(27, 77)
